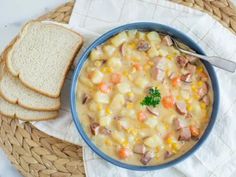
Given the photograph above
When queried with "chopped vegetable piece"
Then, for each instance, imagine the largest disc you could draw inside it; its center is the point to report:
(168, 102)
(116, 78)
(138, 66)
(143, 45)
(103, 87)
(94, 127)
(147, 157)
(142, 116)
(176, 81)
(195, 132)
(124, 153)
(153, 98)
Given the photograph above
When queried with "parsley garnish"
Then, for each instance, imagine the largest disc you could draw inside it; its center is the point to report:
(153, 98)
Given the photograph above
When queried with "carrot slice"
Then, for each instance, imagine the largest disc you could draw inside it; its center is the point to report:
(103, 87)
(195, 132)
(124, 153)
(138, 66)
(142, 116)
(116, 78)
(168, 101)
(176, 81)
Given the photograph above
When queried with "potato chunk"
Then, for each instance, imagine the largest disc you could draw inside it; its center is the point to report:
(154, 36)
(105, 120)
(141, 82)
(101, 97)
(95, 54)
(97, 77)
(119, 39)
(114, 62)
(118, 137)
(153, 141)
(124, 87)
(117, 102)
(109, 49)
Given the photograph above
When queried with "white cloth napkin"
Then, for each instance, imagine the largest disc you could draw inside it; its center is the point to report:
(217, 156)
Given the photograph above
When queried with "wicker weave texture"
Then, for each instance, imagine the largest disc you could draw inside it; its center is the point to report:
(36, 154)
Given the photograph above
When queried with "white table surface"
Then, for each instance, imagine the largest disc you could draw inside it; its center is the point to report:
(14, 13)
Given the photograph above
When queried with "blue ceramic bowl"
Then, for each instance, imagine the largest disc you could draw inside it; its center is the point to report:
(146, 26)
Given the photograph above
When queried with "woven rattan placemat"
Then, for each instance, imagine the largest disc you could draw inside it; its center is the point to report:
(36, 154)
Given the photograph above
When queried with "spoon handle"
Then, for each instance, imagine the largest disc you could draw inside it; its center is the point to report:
(216, 61)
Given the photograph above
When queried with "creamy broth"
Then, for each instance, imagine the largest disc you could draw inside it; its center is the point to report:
(121, 113)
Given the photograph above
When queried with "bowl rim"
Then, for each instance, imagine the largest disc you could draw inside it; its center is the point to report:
(159, 28)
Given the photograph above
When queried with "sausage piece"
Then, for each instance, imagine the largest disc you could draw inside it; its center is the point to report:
(139, 149)
(191, 59)
(186, 78)
(181, 107)
(191, 68)
(158, 74)
(179, 123)
(85, 98)
(143, 45)
(167, 39)
(206, 99)
(182, 61)
(105, 131)
(152, 111)
(94, 127)
(184, 134)
(167, 154)
(203, 90)
(147, 157)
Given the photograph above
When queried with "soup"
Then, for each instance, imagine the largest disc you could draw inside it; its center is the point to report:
(141, 101)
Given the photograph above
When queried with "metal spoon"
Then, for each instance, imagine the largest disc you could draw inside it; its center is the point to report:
(214, 60)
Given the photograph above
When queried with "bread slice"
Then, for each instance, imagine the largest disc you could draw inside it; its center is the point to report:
(42, 55)
(15, 92)
(15, 111)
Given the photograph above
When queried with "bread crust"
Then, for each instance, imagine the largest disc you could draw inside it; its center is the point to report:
(56, 95)
(17, 101)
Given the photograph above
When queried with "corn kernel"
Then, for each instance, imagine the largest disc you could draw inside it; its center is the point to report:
(169, 57)
(130, 105)
(166, 126)
(130, 94)
(169, 140)
(138, 140)
(189, 107)
(157, 149)
(132, 45)
(203, 105)
(108, 142)
(125, 144)
(132, 131)
(108, 110)
(199, 83)
(125, 73)
(151, 63)
(200, 69)
(196, 96)
(107, 70)
(147, 67)
(97, 63)
(175, 147)
(99, 107)
(178, 97)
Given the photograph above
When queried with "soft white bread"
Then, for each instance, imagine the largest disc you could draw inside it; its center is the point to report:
(15, 111)
(15, 92)
(42, 55)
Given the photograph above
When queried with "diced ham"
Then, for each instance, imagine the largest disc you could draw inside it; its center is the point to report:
(181, 107)
(149, 155)
(139, 149)
(184, 134)
(152, 111)
(206, 99)
(186, 78)
(105, 131)
(172, 75)
(167, 39)
(188, 116)
(182, 61)
(85, 98)
(122, 49)
(158, 74)
(191, 68)
(203, 90)
(179, 123)
(191, 59)
(94, 127)
(143, 45)
(167, 154)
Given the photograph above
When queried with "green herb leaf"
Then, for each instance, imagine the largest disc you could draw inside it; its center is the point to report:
(153, 98)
